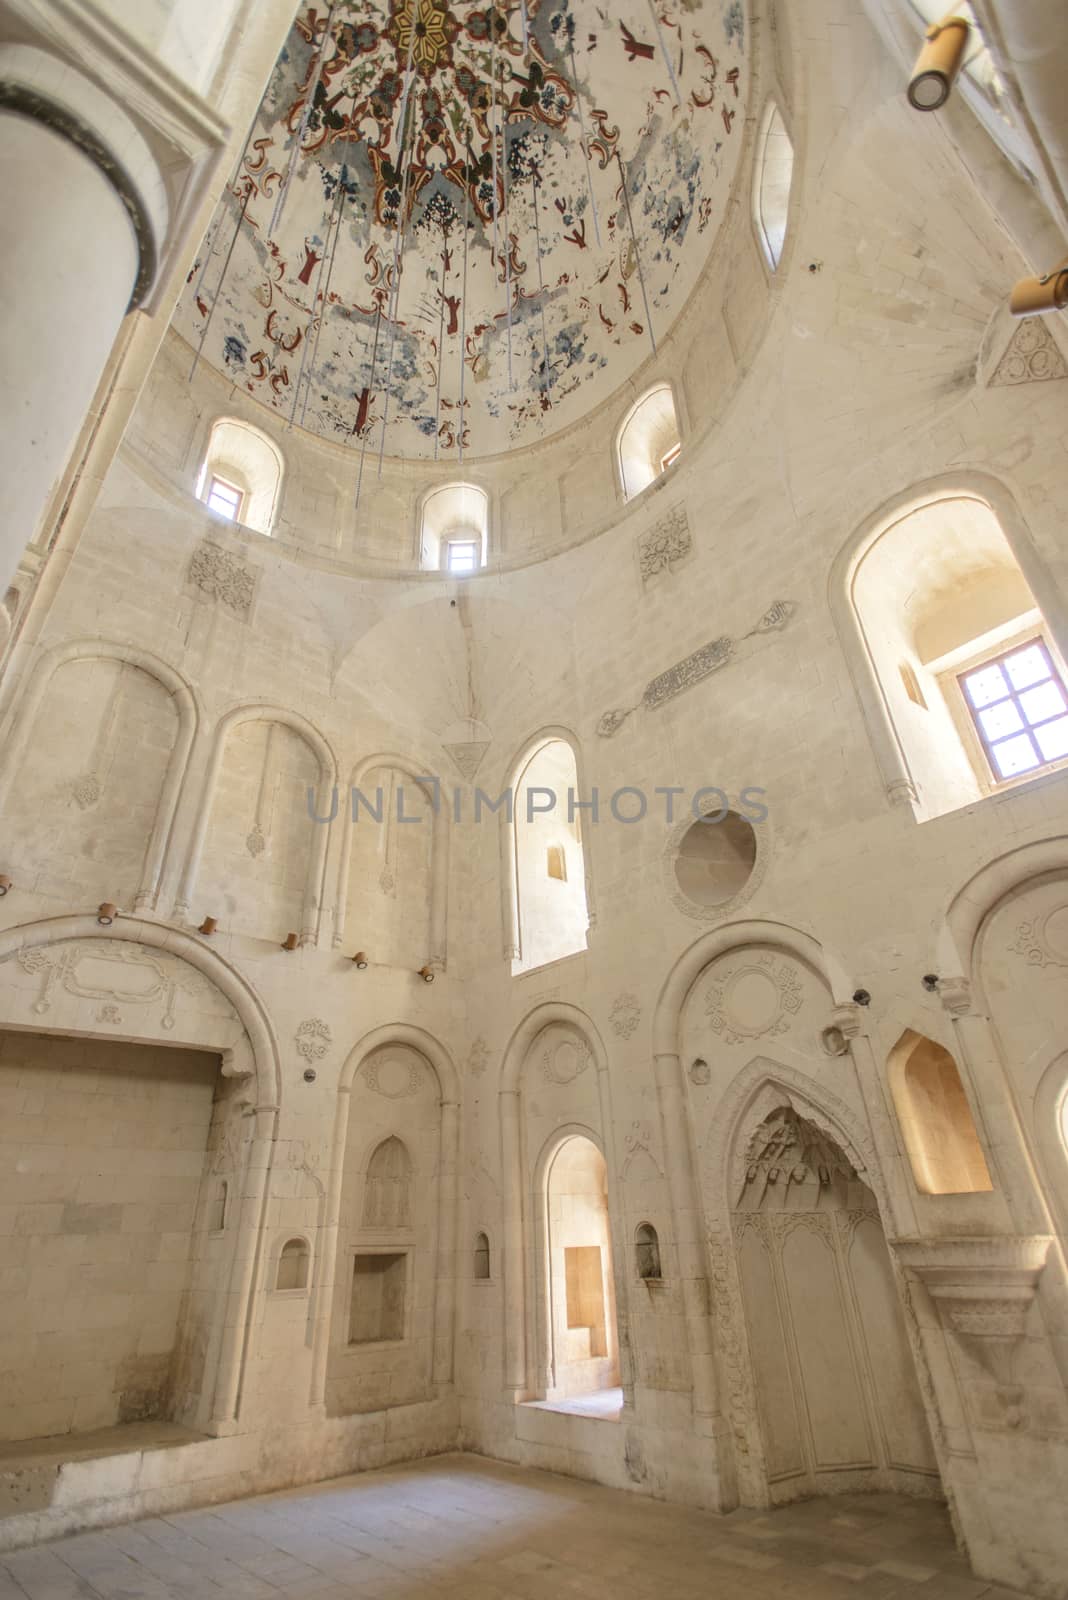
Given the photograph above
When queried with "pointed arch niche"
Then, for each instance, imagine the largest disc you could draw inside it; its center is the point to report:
(837, 1397)
(940, 589)
(936, 1120)
(547, 910)
(773, 175)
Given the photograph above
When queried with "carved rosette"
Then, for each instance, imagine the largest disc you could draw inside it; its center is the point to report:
(754, 1000)
(313, 1039)
(1043, 940)
(625, 1015)
(565, 1060)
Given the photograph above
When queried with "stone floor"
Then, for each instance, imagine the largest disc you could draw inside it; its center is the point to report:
(462, 1526)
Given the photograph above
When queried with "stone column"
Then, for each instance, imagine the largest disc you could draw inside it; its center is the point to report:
(448, 1228)
(689, 1226)
(81, 209)
(512, 1254)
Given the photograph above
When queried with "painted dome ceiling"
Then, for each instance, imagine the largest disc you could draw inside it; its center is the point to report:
(459, 227)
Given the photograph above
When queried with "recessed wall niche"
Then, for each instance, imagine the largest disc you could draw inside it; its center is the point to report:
(379, 1294)
(714, 863)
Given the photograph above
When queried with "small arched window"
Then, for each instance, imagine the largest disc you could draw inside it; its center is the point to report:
(551, 915)
(454, 531)
(773, 178)
(294, 1263)
(482, 1257)
(648, 440)
(936, 1119)
(241, 478)
(387, 1198)
(647, 1252)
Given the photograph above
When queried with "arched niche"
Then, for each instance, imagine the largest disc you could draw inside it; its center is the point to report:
(99, 743)
(937, 596)
(241, 476)
(772, 181)
(393, 876)
(454, 529)
(386, 1332)
(481, 1263)
(554, 1081)
(649, 440)
(547, 910)
(150, 985)
(836, 1394)
(293, 1267)
(647, 1253)
(578, 1325)
(256, 858)
(936, 1120)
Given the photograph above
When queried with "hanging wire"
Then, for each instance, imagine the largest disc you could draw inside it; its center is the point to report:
(333, 212)
(370, 390)
(342, 197)
(309, 106)
(526, 26)
(507, 247)
(222, 279)
(665, 53)
(399, 234)
(463, 312)
(441, 334)
(582, 125)
(493, 129)
(637, 252)
(541, 283)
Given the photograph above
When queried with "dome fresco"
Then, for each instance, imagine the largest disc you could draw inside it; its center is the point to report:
(458, 228)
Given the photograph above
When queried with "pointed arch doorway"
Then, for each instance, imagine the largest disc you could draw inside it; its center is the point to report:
(837, 1396)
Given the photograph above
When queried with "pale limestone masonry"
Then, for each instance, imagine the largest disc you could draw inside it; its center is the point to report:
(272, 1214)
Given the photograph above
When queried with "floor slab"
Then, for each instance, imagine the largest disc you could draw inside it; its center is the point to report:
(464, 1526)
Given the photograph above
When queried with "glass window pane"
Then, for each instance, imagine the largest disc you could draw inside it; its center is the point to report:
(1044, 702)
(985, 685)
(1053, 739)
(1015, 756)
(1027, 666)
(1001, 720)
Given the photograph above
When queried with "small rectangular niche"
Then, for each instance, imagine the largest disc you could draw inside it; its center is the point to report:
(585, 1293)
(379, 1294)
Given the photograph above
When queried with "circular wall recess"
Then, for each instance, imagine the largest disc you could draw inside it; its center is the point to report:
(713, 865)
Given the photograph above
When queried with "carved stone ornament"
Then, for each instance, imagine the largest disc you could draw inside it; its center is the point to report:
(395, 1077)
(313, 1039)
(478, 1057)
(625, 1015)
(665, 544)
(955, 995)
(565, 1060)
(640, 1141)
(1032, 356)
(755, 999)
(113, 972)
(255, 844)
(700, 1073)
(217, 574)
(86, 791)
(983, 1288)
(468, 757)
(1043, 940)
(693, 669)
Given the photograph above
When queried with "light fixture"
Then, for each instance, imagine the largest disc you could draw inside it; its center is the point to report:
(208, 926)
(939, 63)
(361, 960)
(427, 974)
(5, 883)
(1033, 296)
(106, 914)
(291, 942)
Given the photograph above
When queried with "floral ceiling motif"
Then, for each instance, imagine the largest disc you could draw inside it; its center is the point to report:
(461, 226)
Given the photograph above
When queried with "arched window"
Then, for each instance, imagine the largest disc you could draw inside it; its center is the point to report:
(968, 671)
(550, 879)
(647, 1252)
(241, 478)
(294, 1262)
(387, 1197)
(772, 178)
(585, 1347)
(482, 1257)
(454, 530)
(936, 1119)
(648, 441)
